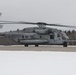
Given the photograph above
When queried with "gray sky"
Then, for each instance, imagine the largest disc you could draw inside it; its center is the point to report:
(49, 11)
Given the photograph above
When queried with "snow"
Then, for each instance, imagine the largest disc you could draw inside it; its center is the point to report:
(37, 63)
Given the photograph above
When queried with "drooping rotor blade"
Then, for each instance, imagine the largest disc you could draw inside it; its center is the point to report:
(59, 25)
(10, 21)
(13, 22)
(38, 23)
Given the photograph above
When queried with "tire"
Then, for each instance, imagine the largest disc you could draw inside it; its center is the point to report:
(36, 45)
(26, 45)
(65, 44)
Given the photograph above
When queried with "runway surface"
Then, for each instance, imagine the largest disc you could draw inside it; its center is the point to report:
(40, 48)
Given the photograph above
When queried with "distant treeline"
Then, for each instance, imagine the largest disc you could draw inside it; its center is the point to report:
(72, 36)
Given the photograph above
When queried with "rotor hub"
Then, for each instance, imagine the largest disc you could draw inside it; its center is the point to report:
(41, 24)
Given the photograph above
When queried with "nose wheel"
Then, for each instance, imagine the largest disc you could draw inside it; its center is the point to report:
(36, 45)
(26, 45)
(65, 44)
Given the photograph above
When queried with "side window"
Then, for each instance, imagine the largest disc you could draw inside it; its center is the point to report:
(22, 37)
(32, 37)
(33, 31)
(26, 37)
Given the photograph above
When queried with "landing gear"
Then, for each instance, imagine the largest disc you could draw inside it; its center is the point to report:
(65, 44)
(36, 45)
(26, 45)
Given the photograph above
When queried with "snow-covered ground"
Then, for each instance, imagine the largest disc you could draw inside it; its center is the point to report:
(37, 63)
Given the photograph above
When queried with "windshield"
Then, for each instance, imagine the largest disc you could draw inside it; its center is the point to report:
(64, 36)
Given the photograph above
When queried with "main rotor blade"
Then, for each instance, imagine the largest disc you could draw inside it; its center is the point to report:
(59, 25)
(38, 23)
(13, 22)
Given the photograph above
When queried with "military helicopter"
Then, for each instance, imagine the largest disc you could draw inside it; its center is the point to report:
(40, 35)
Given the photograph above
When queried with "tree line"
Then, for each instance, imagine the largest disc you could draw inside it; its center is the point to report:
(72, 36)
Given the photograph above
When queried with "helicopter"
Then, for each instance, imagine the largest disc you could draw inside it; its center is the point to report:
(40, 35)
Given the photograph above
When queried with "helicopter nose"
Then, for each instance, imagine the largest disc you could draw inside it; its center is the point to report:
(2, 34)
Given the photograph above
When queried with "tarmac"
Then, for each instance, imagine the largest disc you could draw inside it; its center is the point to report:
(40, 48)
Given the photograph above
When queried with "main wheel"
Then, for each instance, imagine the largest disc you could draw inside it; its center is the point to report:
(65, 44)
(26, 45)
(36, 45)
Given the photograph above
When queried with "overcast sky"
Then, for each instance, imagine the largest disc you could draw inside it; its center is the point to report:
(49, 11)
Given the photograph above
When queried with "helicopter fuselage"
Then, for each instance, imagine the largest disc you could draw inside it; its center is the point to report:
(36, 36)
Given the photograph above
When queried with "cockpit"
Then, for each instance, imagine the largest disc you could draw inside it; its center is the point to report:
(64, 36)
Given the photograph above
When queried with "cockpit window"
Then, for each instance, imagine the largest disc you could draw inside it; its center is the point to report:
(24, 29)
(58, 35)
(64, 36)
(52, 36)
